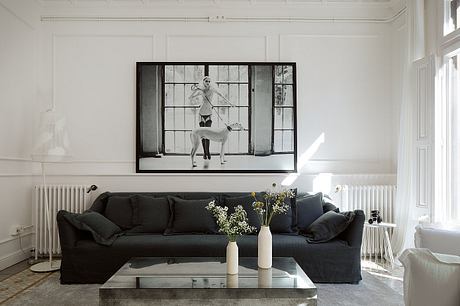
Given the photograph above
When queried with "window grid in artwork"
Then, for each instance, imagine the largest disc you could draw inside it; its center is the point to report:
(283, 110)
(232, 81)
(180, 117)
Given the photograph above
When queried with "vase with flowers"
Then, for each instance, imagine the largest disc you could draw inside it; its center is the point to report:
(233, 225)
(272, 203)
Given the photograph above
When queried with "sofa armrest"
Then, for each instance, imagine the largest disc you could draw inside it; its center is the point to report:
(354, 232)
(68, 234)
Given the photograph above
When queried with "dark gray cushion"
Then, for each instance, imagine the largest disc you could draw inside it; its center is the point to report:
(285, 223)
(246, 203)
(309, 208)
(103, 230)
(328, 226)
(328, 204)
(151, 215)
(191, 216)
(119, 210)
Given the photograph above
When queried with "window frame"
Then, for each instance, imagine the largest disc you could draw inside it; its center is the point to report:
(444, 204)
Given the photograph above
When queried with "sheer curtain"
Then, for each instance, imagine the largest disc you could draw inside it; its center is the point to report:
(405, 194)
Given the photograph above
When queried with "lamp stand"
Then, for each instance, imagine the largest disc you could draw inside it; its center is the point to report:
(51, 265)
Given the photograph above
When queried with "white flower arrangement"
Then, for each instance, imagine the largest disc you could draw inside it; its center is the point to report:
(273, 204)
(234, 225)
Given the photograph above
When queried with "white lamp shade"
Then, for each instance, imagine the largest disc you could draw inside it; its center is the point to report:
(52, 144)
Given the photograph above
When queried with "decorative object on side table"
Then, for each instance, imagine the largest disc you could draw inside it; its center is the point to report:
(273, 204)
(375, 217)
(233, 225)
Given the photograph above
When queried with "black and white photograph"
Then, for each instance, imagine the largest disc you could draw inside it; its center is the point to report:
(216, 117)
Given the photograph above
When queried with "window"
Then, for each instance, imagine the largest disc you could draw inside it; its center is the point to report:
(232, 82)
(452, 16)
(180, 117)
(452, 210)
(283, 110)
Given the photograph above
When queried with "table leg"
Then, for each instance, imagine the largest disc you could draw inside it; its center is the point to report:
(389, 249)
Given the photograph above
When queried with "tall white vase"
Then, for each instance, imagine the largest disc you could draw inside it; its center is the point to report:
(264, 248)
(232, 258)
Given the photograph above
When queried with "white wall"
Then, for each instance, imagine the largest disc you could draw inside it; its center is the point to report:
(17, 102)
(344, 88)
(347, 76)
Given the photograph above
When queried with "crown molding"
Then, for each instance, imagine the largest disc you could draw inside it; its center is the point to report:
(222, 18)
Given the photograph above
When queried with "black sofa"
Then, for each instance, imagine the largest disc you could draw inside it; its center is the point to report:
(85, 261)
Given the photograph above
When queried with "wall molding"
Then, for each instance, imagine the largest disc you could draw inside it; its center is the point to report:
(55, 36)
(226, 19)
(15, 159)
(9, 239)
(14, 258)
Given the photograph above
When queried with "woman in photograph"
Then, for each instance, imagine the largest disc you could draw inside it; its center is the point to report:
(206, 90)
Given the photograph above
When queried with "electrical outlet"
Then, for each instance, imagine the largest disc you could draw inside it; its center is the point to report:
(16, 230)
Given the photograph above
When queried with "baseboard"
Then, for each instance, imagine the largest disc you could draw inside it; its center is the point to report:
(14, 258)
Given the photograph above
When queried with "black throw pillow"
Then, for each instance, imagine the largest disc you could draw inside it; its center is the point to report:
(328, 226)
(119, 210)
(191, 216)
(151, 215)
(309, 208)
(329, 205)
(284, 223)
(246, 203)
(103, 230)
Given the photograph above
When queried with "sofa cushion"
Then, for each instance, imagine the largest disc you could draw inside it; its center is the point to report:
(284, 223)
(191, 216)
(151, 215)
(328, 226)
(103, 230)
(328, 204)
(309, 208)
(246, 203)
(119, 210)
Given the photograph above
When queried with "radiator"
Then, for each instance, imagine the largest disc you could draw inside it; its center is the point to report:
(73, 198)
(367, 198)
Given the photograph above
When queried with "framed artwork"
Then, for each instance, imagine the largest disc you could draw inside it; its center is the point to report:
(216, 117)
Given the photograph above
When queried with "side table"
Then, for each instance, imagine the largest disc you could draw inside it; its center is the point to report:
(386, 239)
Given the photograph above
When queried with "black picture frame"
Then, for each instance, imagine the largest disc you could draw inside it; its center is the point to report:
(148, 161)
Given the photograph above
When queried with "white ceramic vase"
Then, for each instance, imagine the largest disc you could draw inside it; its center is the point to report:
(264, 248)
(232, 258)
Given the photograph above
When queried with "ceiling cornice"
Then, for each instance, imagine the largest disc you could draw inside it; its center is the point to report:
(220, 18)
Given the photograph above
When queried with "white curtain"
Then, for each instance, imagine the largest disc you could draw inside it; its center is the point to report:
(405, 194)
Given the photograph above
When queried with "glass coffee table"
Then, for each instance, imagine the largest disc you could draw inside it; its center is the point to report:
(203, 281)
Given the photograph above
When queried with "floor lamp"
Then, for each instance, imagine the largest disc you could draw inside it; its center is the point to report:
(52, 145)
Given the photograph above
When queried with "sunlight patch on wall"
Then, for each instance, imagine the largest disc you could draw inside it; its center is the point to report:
(304, 158)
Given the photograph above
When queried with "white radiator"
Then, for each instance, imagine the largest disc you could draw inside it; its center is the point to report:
(73, 198)
(367, 198)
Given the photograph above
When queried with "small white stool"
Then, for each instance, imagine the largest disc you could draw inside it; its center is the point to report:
(386, 238)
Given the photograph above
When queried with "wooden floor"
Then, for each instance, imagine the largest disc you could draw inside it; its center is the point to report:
(21, 266)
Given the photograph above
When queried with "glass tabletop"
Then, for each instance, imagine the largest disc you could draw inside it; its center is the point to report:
(208, 272)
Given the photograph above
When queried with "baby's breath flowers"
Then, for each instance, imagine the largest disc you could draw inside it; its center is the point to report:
(273, 203)
(234, 225)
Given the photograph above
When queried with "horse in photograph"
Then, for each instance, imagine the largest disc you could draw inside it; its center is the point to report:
(213, 134)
